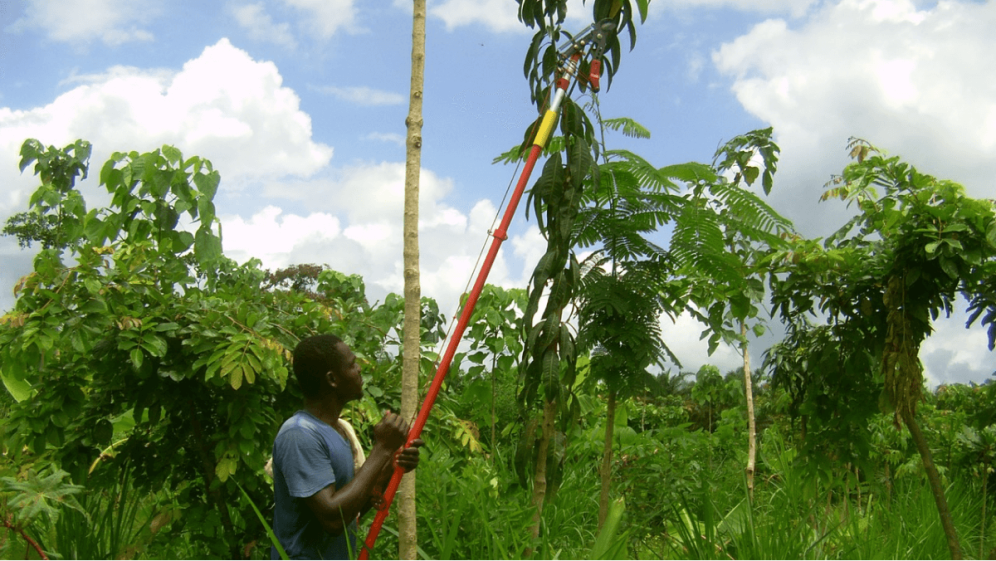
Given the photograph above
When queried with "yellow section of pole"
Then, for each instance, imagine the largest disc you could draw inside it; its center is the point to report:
(546, 127)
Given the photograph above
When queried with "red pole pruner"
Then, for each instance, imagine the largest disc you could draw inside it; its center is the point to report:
(595, 37)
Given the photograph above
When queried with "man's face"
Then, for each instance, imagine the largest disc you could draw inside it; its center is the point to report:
(350, 383)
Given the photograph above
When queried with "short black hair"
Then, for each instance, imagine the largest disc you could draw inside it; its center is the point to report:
(313, 357)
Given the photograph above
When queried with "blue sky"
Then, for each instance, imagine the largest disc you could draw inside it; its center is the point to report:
(301, 105)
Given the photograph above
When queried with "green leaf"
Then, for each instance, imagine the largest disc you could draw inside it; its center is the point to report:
(222, 470)
(207, 184)
(172, 154)
(137, 357)
(235, 378)
(606, 545)
(207, 246)
(18, 388)
(750, 174)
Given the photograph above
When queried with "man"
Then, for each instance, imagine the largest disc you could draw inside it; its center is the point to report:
(318, 491)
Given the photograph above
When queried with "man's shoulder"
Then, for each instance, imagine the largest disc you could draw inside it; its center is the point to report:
(301, 426)
(302, 421)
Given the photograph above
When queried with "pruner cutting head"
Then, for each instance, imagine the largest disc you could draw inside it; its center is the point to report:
(599, 39)
(593, 39)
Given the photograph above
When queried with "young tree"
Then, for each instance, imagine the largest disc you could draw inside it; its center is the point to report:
(550, 358)
(750, 230)
(884, 276)
(407, 529)
(150, 321)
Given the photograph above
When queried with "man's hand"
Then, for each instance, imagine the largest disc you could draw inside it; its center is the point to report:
(391, 432)
(408, 458)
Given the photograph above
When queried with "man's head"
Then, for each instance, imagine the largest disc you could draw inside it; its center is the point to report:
(324, 363)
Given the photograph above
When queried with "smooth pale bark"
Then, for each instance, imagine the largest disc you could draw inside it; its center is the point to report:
(606, 471)
(751, 426)
(935, 483)
(407, 529)
(539, 481)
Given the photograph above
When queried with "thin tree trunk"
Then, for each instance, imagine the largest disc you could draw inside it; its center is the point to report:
(494, 398)
(935, 483)
(751, 426)
(407, 529)
(539, 481)
(207, 464)
(610, 423)
(982, 531)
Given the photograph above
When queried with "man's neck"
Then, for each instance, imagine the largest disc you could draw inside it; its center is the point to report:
(326, 409)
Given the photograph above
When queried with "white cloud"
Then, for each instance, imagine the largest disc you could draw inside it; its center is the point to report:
(953, 354)
(111, 21)
(794, 7)
(907, 79)
(323, 18)
(363, 95)
(267, 236)
(223, 106)
(683, 337)
(254, 19)
(499, 16)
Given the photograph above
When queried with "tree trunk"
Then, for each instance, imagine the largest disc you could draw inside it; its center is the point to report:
(539, 481)
(610, 424)
(985, 485)
(207, 465)
(407, 530)
(494, 398)
(751, 426)
(935, 483)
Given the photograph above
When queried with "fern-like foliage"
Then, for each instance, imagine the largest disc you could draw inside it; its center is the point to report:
(629, 127)
(619, 318)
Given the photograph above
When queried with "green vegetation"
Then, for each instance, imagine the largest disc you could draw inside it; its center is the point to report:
(146, 374)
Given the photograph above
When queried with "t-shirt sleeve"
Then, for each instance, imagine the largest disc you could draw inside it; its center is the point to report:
(304, 462)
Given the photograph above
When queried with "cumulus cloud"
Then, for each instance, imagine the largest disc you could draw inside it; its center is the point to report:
(793, 7)
(254, 19)
(223, 106)
(361, 232)
(112, 22)
(235, 111)
(683, 337)
(902, 77)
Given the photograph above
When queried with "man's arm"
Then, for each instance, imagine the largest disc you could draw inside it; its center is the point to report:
(336, 509)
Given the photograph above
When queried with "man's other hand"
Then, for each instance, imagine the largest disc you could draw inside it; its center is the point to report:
(408, 458)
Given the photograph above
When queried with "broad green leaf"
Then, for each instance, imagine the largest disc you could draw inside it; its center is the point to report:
(207, 246)
(207, 183)
(19, 388)
(137, 357)
(235, 378)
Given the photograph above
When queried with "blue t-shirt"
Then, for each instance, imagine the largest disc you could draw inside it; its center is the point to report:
(309, 455)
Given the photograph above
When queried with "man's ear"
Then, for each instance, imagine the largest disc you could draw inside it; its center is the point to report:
(330, 377)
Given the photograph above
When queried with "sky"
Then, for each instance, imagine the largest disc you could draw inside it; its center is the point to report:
(301, 106)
